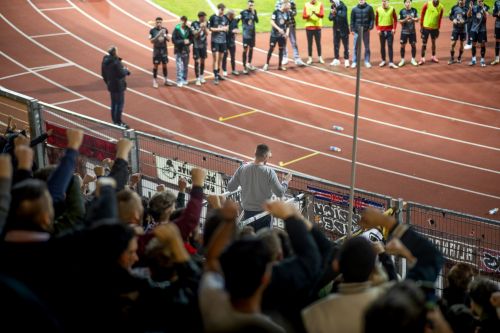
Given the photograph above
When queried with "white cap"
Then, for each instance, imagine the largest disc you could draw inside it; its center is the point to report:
(337, 2)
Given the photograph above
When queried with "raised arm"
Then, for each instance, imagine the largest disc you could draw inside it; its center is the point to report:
(279, 188)
(119, 170)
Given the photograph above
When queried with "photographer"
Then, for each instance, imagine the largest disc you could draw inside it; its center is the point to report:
(114, 73)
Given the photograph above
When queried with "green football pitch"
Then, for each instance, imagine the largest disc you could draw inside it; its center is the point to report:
(190, 8)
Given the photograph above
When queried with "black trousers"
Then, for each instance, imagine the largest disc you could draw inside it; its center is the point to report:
(337, 38)
(389, 37)
(232, 51)
(117, 103)
(263, 222)
(316, 34)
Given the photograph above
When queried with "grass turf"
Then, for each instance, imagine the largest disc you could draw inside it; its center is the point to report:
(264, 8)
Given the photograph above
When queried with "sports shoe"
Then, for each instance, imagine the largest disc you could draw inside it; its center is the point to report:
(252, 67)
(166, 83)
(382, 64)
(368, 65)
(282, 68)
(179, 84)
(235, 73)
(483, 63)
(472, 62)
(285, 61)
(202, 79)
(346, 63)
(353, 65)
(198, 82)
(335, 62)
(224, 73)
(222, 78)
(245, 71)
(185, 83)
(459, 60)
(435, 59)
(320, 60)
(216, 80)
(414, 62)
(451, 61)
(265, 67)
(496, 61)
(309, 60)
(299, 62)
(393, 65)
(468, 46)
(124, 125)
(421, 62)
(155, 83)
(401, 63)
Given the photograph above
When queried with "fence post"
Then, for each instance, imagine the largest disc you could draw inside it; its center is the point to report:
(134, 155)
(35, 121)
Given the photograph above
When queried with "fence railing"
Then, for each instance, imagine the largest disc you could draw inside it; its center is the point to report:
(460, 237)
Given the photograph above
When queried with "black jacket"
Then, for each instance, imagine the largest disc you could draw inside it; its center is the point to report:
(362, 15)
(178, 39)
(340, 23)
(113, 73)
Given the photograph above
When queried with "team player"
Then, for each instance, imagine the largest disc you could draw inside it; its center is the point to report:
(478, 30)
(338, 15)
(432, 13)
(408, 16)
(159, 36)
(386, 22)
(219, 25)
(279, 21)
(248, 19)
(199, 30)
(496, 13)
(292, 34)
(458, 16)
(231, 44)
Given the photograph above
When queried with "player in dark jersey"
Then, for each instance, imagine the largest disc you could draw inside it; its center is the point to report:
(458, 16)
(159, 37)
(231, 44)
(478, 30)
(219, 25)
(496, 14)
(248, 19)
(199, 30)
(279, 33)
(408, 16)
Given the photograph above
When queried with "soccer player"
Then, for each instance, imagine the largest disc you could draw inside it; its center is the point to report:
(248, 18)
(338, 16)
(432, 13)
(408, 16)
(313, 15)
(496, 13)
(386, 22)
(478, 30)
(158, 36)
(279, 21)
(458, 15)
(292, 35)
(219, 25)
(231, 44)
(181, 37)
(199, 31)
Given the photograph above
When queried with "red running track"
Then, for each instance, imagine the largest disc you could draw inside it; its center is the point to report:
(429, 134)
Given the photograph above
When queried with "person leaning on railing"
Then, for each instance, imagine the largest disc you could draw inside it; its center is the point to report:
(258, 184)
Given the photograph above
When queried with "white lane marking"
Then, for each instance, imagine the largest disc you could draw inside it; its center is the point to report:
(13, 75)
(49, 35)
(49, 67)
(68, 101)
(55, 8)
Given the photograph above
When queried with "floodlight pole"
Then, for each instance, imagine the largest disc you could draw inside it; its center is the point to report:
(355, 133)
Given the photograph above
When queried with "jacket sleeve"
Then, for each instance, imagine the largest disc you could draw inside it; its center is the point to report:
(5, 199)
(342, 12)
(104, 73)
(388, 265)
(119, 172)
(59, 179)
(331, 17)
(180, 202)
(39, 139)
(190, 218)
(372, 18)
(278, 188)
(177, 39)
(353, 18)
(234, 182)
(256, 17)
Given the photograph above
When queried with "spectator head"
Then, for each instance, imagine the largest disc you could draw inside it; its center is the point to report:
(461, 319)
(480, 291)
(273, 243)
(460, 276)
(262, 153)
(202, 14)
(113, 51)
(130, 209)
(401, 309)
(183, 19)
(158, 258)
(221, 8)
(246, 267)
(250, 4)
(159, 22)
(247, 231)
(230, 14)
(31, 206)
(355, 260)
(161, 205)
(362, 2)
(385, 4)
(408, 4)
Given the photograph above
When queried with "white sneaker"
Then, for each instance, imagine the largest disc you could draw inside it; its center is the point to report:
(468, 46)
(155, 83)
(309, 61)
(266, 67)
(299, 62)
(346, 63)
(202, 79)
(179, 84)
(368, 65)
(414, 62)
(382, 64)
(321, 61)
(224, 73)
(335, 62)
(353, 65)
(185, 83)
(392, 65)
(198, 82)
(285, 61)
(401, 63)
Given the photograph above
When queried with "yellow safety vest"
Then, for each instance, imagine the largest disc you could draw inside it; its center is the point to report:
(385, 16)
(313, 21)
(432, 14)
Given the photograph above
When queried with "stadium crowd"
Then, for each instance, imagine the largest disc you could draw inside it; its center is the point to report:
(107, 260)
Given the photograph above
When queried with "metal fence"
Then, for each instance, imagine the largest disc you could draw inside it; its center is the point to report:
(460, 237)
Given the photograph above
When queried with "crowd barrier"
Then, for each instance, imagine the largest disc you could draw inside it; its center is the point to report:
(161, 161)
